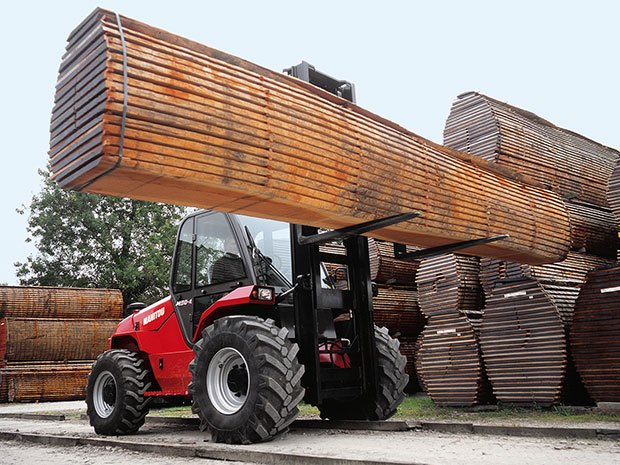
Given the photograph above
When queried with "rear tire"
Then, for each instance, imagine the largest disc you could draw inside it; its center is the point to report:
(115, 393)
(246, 380)
(392, 382)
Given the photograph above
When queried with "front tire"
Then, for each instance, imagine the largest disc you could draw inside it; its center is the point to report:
(115, 393)
(246, 380)
(391, 386)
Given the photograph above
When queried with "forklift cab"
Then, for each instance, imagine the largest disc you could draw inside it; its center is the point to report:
(219, 252)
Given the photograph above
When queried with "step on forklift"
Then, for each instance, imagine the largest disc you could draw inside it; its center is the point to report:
(260, 317)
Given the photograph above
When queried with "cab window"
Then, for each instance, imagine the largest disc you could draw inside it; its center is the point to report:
(218, 259)
(183, 259)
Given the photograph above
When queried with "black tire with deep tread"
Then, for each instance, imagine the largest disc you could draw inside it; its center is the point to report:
(392, 382)
(275, 380)
(132, 380)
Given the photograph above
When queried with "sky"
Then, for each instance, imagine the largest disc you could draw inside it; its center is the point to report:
(408, 59)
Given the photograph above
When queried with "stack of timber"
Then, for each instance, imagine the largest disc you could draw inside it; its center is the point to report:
(567, 162)
(448, 361)
(524, 345)
(49, 338)
(145, 114)
(450, 284)
(538, 301)
(595, 334)
(613, 192)
(560, 282)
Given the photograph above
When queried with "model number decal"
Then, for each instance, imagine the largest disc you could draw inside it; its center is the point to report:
(182, 303)
(153, 316)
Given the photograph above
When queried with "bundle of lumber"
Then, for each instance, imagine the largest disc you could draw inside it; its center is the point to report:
(595, 334)
(523, 345)
(409, 348)
(49, 337)
(448, 362)
(450, 284)
(542, 296)
(613, 192)
(397, 309)
(146, 114)
(593, 229)
(38, 339)
(33, 382)
(385, 268)
(569, 163)
(560, 281)
(448, 358)
(395, 304)
(60, 302)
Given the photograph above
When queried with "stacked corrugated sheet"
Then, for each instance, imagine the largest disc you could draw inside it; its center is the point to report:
(530, 308)
(448, 358)
(595, 334)
(50, 336)
(145, 114)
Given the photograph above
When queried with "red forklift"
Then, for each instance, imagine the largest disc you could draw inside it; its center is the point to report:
(259, 318)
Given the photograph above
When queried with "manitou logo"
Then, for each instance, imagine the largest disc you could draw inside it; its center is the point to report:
(153, 316)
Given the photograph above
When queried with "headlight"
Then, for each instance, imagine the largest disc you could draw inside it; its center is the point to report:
(263, 293)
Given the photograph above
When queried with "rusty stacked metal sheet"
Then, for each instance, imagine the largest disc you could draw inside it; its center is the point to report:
(595, 334)
(49, 338)
(448, 357)
(530, 308)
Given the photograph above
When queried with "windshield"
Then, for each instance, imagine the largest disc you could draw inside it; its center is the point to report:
(272, 238)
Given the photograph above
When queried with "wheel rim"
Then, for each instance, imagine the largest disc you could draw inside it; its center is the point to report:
(228, 380)
(104, 394)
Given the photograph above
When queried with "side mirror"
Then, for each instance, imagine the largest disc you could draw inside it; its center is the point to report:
(133, 307)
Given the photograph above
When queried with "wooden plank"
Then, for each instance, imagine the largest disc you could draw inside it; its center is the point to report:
(53, 339)
(567, 162)
(60, 302)
(595, 334)
(207, 129)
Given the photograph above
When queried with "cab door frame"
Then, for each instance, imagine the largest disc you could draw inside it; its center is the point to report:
(187, 301)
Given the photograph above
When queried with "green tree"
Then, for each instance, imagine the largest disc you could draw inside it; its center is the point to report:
(88, 240)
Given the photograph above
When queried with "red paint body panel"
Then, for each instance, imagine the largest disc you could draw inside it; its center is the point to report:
(159, 336)
(153, 317)
(231, 302)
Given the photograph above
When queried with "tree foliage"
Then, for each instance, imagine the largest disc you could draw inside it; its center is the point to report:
(88, 240)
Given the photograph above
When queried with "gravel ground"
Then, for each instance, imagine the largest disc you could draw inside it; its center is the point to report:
(406, 447)
(20, 453)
